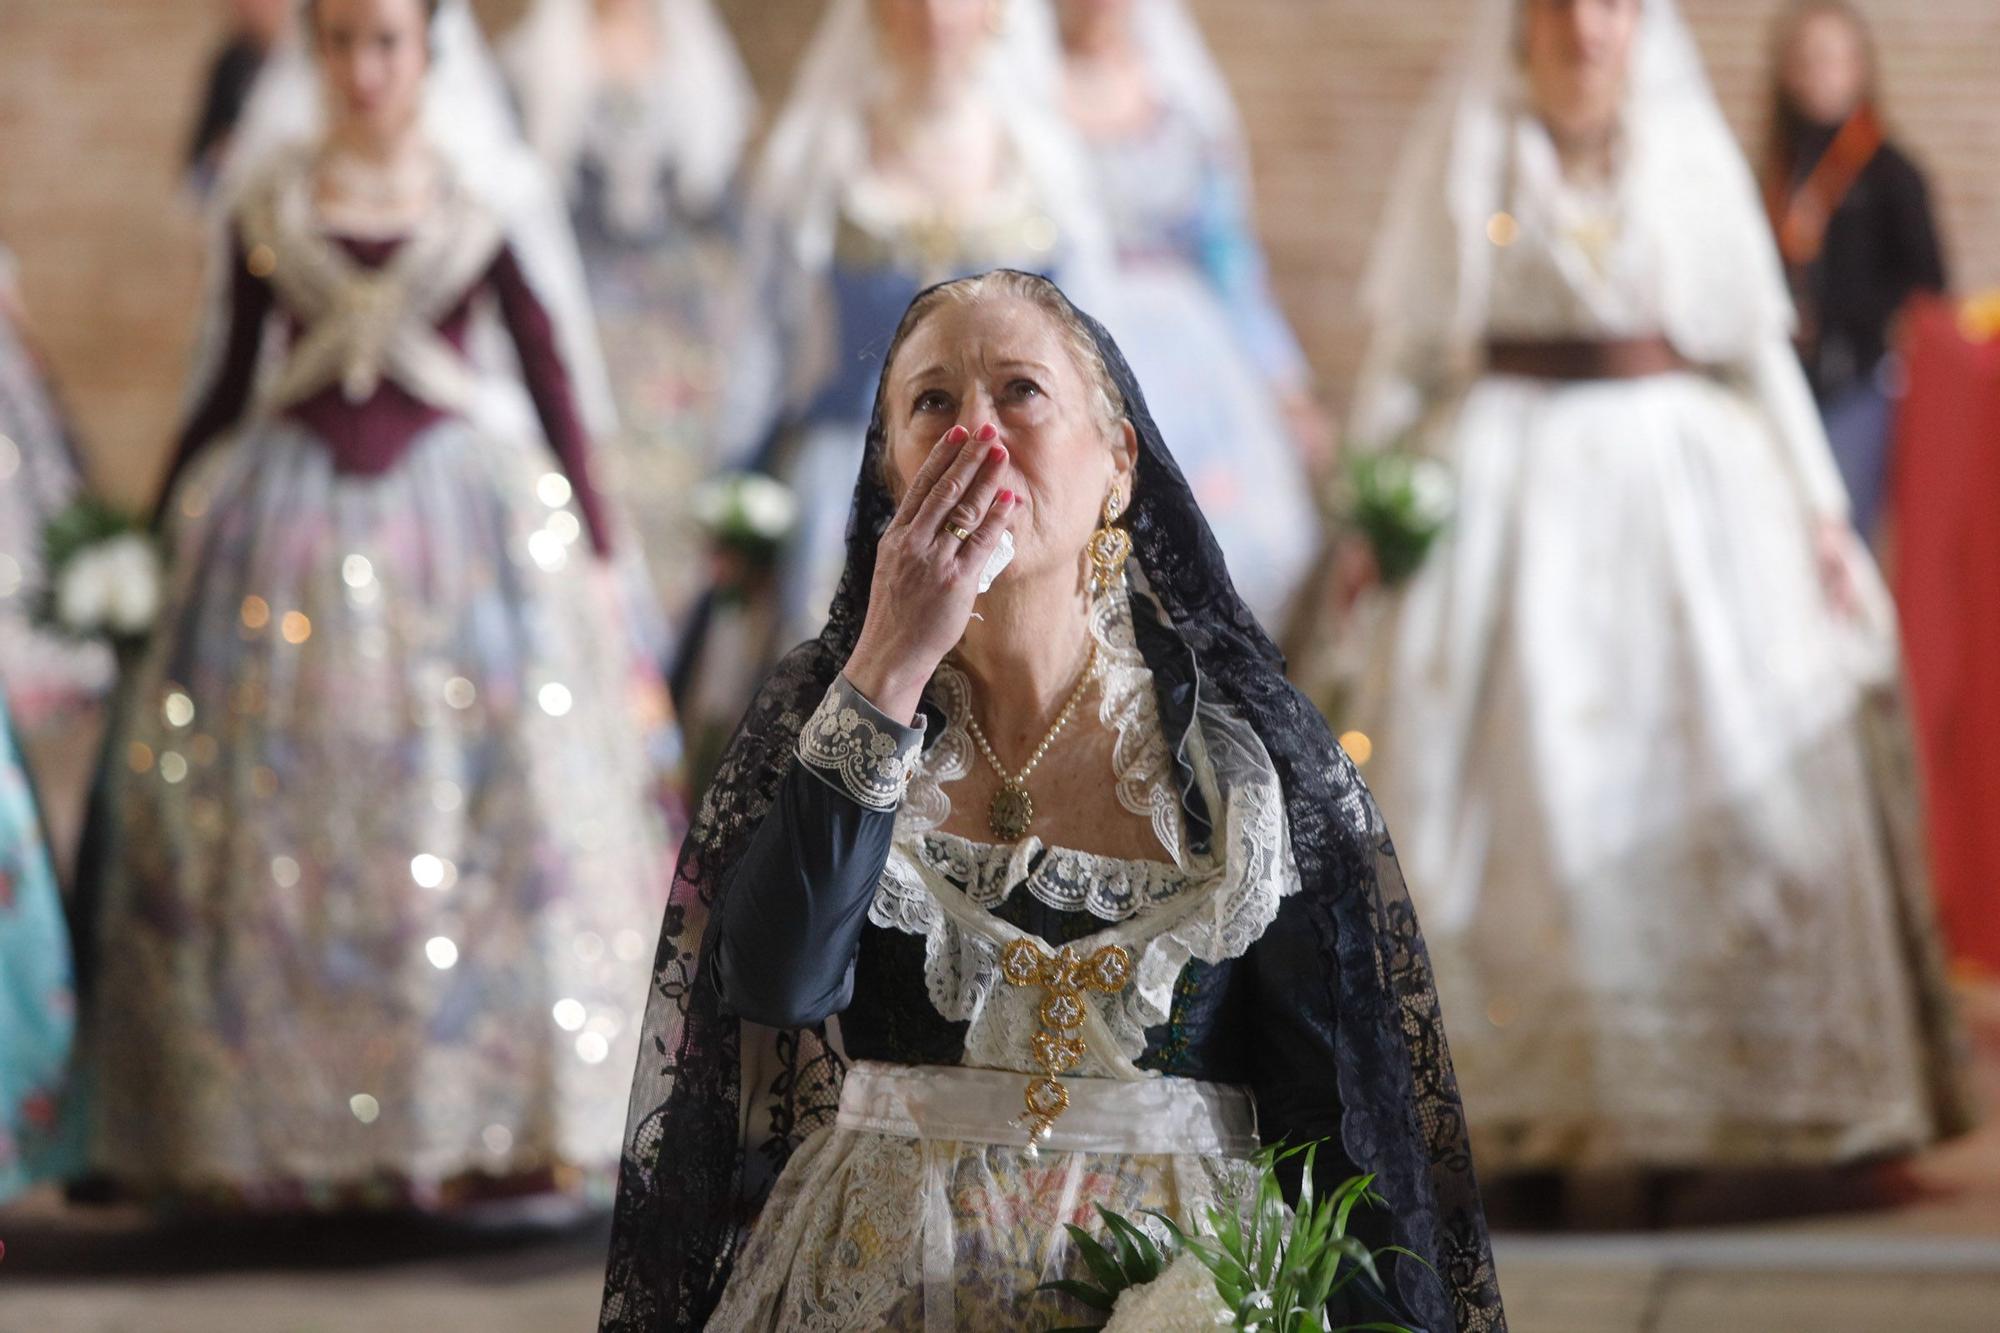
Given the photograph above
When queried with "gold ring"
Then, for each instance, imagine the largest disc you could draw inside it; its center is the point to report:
(958, 532)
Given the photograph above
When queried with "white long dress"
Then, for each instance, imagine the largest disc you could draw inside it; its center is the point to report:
(1194, 317)
(1619, 728)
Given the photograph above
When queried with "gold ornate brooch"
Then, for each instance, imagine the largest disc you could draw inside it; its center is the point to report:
(1059, 1047)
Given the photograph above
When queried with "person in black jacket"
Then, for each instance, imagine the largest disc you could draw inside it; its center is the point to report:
(1853, 217)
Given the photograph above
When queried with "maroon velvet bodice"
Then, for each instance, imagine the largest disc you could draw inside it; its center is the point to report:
(371, 436)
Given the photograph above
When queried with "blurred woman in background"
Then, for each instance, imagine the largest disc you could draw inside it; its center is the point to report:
(641, 109)
(916, 146)
(382, 820)
(1853, 219)
(1632, 719)
(1193, 308)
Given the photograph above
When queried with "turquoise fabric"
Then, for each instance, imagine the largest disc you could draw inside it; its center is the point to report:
(40, 1126)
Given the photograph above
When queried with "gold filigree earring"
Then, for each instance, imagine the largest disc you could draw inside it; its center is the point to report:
(1110, 547)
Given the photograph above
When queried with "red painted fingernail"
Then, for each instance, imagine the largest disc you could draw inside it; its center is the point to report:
(988, 431)
(958, 435)
(1006, 497)
(996, 453)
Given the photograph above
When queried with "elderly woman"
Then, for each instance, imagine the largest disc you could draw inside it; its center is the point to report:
(1632, 717)
(1008, 905)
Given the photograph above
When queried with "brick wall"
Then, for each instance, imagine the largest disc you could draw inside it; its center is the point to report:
(95, 95)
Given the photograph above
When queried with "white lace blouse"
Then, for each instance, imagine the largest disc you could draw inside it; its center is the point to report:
(1208, 903)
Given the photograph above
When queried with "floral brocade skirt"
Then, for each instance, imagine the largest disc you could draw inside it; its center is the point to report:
(38, 1130)
(920, 1210)
(389, 831)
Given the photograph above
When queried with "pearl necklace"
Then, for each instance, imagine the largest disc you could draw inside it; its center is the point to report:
(1012, 812)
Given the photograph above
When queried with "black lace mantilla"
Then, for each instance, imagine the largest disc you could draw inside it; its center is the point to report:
(692, 1182)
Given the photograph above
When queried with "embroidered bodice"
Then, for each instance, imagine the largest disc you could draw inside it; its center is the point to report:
(946, 907)
(878, 227)
(622, 185)
(1576, 264)
(372, 333)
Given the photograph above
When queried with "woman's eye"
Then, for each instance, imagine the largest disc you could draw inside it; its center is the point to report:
(1024, 389)
(931, 400)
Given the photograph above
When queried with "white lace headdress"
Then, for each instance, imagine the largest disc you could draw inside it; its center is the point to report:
(818, 146)
(819, 142)
(712, 107)
(468, 118)
(1430, 275)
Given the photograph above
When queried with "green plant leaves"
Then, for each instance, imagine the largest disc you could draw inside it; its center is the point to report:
(1277, 1268)
(1138, 1254)
(1400, 502)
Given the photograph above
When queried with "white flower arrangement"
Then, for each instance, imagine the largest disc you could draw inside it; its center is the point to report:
(110, 589)
(1399, 501)
(1266, 1266)
(104, 576)
(1183, 1299)
(747, 510)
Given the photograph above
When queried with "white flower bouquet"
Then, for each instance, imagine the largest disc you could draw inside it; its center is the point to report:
(102, 574)
(1265, 1267)
(747, 513)
(1400, 502)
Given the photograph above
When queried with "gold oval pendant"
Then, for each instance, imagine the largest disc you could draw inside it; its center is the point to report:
(1011, 814)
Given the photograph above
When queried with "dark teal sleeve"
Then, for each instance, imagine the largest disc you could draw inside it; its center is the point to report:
(793, 907)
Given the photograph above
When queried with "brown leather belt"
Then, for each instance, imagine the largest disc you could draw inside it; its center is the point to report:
(1583, 359)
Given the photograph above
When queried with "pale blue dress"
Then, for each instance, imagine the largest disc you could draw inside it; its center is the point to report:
(1194, 315)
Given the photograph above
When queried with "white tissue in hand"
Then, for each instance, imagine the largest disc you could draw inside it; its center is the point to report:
(1003, 555)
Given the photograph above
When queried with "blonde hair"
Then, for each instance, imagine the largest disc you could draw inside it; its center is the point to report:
(1046, 297)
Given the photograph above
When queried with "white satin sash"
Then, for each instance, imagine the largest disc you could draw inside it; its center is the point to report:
(946, 1106)
(949, 1103)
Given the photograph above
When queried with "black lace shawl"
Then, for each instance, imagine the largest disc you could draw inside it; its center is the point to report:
(698, 1164)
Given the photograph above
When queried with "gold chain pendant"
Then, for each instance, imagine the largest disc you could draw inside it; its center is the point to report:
(1012, 813)
(1059, 1047)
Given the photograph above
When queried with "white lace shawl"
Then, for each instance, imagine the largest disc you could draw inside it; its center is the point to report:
(365, 325)
(1210, 905)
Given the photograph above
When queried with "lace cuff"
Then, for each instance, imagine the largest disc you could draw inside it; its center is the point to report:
(856, 748)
